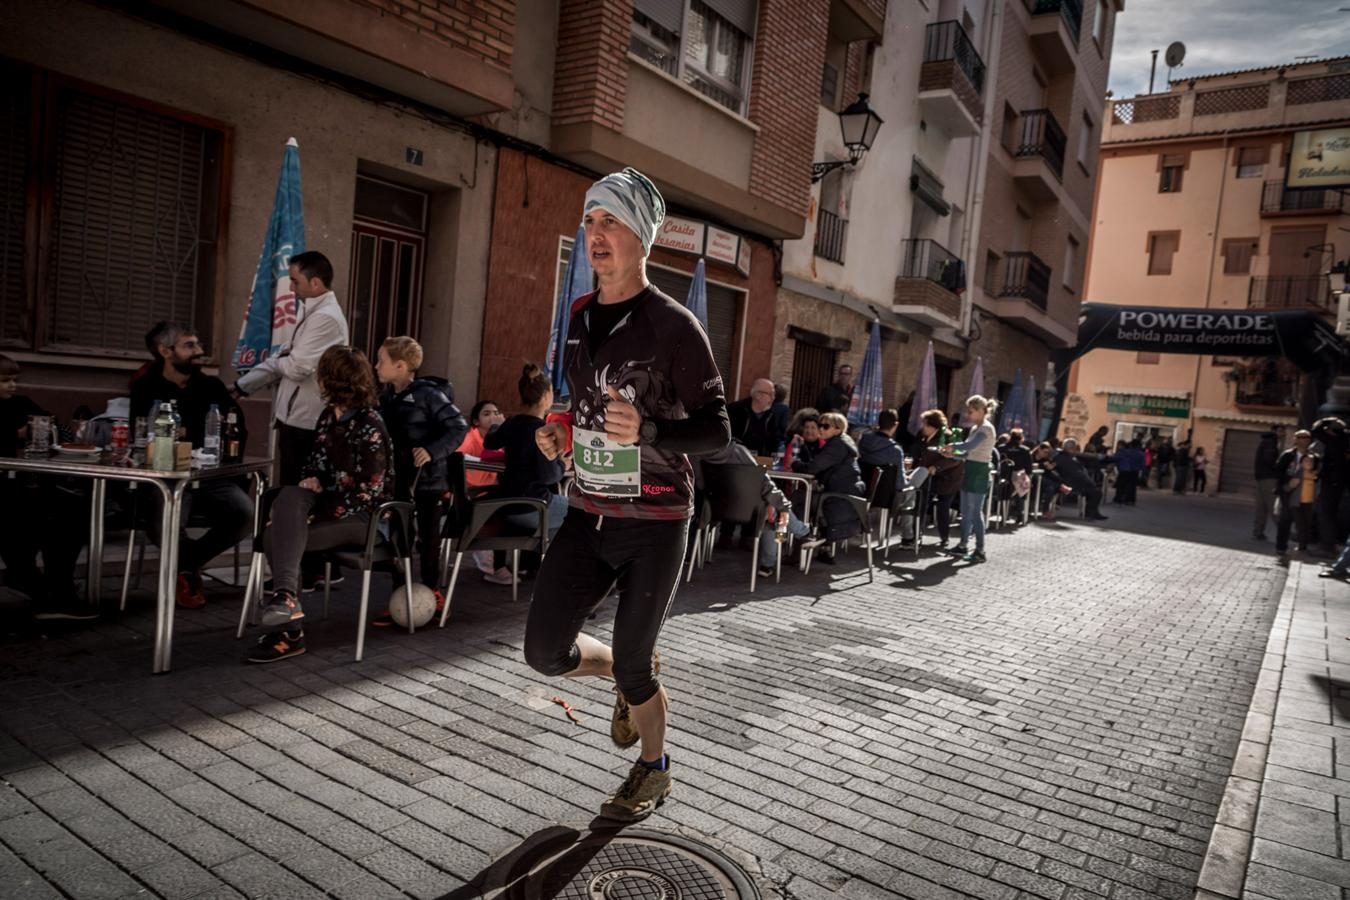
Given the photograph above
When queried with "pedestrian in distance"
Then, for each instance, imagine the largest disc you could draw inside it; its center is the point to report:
(1198, 463)
(1267, 480)
(1296, 493)
(645, 391)
(1332, 445)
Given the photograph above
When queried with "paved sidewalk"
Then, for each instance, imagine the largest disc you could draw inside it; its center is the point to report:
(1284, 826)
(1058, 723)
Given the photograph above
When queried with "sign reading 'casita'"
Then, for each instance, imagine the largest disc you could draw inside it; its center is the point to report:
(701, 239)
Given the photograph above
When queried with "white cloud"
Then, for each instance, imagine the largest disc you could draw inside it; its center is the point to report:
(1222, 35)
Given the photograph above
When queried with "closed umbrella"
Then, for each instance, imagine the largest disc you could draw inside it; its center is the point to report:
(866, 403)
(925, 393)
(977, 377)
(270, 320)
(576, 284)
(1031, 417)
(698, 296)
(1012, 412)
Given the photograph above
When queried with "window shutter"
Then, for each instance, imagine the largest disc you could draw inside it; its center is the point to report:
(721, 316)
(740, 13)
(669, 14)
(133, 224)
(15, 128)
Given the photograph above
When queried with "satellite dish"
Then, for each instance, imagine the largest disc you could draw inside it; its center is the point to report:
(1176, 52)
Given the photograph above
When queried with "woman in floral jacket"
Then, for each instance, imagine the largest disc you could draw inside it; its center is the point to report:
(348, 475)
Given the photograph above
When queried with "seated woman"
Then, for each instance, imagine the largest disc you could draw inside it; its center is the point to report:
(348, 475)
(528, 472)
(483, 418)
(835, 466)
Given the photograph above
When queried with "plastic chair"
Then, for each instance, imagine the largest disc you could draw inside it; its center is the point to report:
(476, 524)
(856, 506)
(735, 494)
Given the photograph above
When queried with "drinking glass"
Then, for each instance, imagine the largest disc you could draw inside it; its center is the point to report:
(39, 434)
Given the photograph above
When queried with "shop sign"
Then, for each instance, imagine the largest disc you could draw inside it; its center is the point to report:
(723, 246)
(1144, 405)
(743, 258)
(701, 239)
(681, 235)
(1320, 159)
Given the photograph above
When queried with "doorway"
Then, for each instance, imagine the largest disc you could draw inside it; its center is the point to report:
(384, 296)
(812, 372)
(1143, 433)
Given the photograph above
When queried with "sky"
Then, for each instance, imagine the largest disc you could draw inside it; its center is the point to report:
(1221, 35)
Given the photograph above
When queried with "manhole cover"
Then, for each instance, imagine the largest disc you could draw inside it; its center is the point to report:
(632, 865)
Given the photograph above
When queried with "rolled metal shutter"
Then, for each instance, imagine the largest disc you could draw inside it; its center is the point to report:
(15, 119)
(722, 308)
(1237, 474)
(740, 13)
(669, 14)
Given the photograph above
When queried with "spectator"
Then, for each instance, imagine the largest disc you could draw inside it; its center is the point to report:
(839, 395)
(1331, 433)
(179, 378)
(44, 525)
(1297, 491)
(529, 473)
(835, 466)
(348, 474)
(944, 473)
(1198, 463)
(1016, 450)
(878, 447)
(1129, 469)
(781, 413)
(803, 436)
(1148, 464)
(483, 418)
(1162, 461)
(1181, 465)
(425, 427)
(752, 420)
(1070, 473)
(1097, 443)
(978, 452)
(1267, 481)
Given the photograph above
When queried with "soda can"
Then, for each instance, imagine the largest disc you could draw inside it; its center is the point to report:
(119, 435)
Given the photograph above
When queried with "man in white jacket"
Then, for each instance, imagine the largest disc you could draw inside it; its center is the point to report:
(321, 324)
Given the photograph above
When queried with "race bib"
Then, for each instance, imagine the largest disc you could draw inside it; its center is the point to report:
(605, 467)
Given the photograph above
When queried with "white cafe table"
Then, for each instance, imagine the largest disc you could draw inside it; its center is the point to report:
(172, 486)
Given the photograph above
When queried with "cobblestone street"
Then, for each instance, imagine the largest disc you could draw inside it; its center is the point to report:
(1059, 722)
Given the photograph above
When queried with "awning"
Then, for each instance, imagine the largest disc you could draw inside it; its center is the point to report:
(928, 188)
(1173, 393)
(1229, 415)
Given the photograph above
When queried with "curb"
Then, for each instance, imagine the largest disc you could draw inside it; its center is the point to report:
(1226, 858)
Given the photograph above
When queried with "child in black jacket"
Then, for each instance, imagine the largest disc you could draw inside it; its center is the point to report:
(426, 428)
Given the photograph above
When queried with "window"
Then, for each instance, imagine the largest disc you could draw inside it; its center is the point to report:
(991, 273)
(706, 45)
(1085, 141)
(1161, 247)
(1251, 162)
(1070, 262)
(831, 80)
(1008, 136)
(1099, 23)
(1170, 168)
(1237, 255)
(1146, 358)
(130, 204)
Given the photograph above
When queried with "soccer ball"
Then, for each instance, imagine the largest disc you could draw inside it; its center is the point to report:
(423, 605)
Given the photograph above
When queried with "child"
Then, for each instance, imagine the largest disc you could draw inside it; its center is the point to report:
(46, 526)
(426, 427)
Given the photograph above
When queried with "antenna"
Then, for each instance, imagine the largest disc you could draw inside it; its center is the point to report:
(1176, 52)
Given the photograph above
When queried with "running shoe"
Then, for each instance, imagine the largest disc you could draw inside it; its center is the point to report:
(188, 592)
(622, 731)
(283, 610)
(640, 794)
(958, 550)
(974, 556)
(278, 645)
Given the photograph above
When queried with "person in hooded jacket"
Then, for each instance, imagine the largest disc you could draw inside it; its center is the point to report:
(1267, 474)
(835, 466)
(426, 427)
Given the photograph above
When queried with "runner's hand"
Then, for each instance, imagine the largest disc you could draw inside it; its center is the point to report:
(420, 457)
(622, 420)
(550, 439)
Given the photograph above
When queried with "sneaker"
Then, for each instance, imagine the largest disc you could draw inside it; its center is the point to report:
(278, 645)
(501, 576)
(386, 618)
(640, 794)
(974, 556)
(67, 611)
(958, 550)
(189, 594)
(1332, 573)
(283, 610)
(622, 731)
(766, 571)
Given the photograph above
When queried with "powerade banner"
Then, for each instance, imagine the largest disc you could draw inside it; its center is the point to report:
(1302, 336)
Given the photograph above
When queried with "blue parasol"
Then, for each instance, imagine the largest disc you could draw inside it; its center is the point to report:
(577, 282)
(866, 403)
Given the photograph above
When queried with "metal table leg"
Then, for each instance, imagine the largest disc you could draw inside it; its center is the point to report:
(170, 521)
(97, 500)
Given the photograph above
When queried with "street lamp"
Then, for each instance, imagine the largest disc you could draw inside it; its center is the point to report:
(859, 124)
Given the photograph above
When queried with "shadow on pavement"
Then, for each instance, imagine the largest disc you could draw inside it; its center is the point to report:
(572, 848)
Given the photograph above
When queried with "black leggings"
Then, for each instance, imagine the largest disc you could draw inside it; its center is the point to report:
(583, 563)
(944, 515)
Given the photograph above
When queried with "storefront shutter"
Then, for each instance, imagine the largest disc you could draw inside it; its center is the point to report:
(133, 226)
(669, 14)
(722, 303)
(15, 119)
(740, 13)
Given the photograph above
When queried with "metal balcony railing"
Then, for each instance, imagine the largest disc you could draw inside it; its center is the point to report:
(922, 258)
(1276, 198)
(948, 40)
(1039, 134)
(1026, 275)
(1071, 10)
(831, 232)
(1289, 292)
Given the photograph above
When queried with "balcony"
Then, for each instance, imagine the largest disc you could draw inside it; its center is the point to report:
(1025, 275)
(1054, 30)
(1277, 201)
(931, 280)
(1023, 300)
(951, 81)
(1037, 147)
(1290, 292)
(1265, 385)
(831, 233)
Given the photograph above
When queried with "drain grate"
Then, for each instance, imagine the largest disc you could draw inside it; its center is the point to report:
(633, 865)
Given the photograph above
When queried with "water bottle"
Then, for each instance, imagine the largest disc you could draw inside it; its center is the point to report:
(211, 442)
(165, 430)
(780, 532)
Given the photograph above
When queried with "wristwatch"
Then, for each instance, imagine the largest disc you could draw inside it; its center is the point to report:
(647, 431)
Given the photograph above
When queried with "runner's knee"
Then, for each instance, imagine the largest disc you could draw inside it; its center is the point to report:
(549, 657)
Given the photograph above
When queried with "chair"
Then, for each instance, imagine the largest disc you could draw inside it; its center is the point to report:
(376, 550)
(735, 493)
(475, 524)
(136, 544)
(856, 506)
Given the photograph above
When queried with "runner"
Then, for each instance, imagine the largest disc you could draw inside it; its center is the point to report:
(645, 391)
